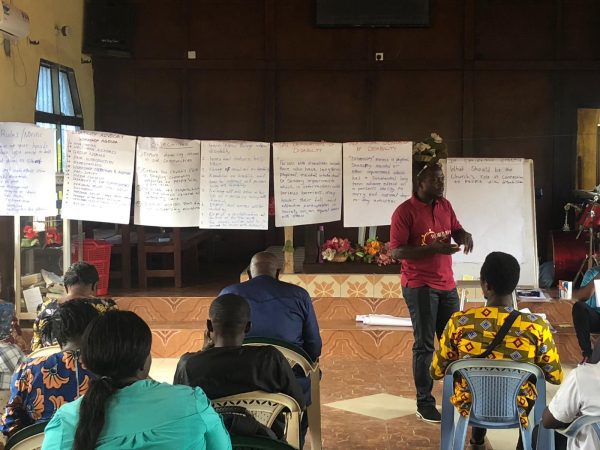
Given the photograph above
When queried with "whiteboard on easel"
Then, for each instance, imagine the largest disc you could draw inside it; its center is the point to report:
(494, 200)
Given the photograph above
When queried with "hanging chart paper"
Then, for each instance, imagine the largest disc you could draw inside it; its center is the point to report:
(167, 186)
(234, 185)
(27, 170)
(308, 182)
(377, 178)
(98, 176)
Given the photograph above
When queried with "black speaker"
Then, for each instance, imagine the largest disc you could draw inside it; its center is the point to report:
(107, 27)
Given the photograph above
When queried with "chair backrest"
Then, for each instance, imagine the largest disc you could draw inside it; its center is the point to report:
(257, 443)
(575, 427)
(265, 407)
(44, 351)
(28, 438)
(494, 387)
(295, 355)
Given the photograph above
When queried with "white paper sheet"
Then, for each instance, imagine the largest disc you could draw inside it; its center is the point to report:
(597, 292)
(234, 185)
(33, 298)
(384, 320)
(308, 182)
(167, 182)
(377, 178)
(27, 170)
(98, 176)
(483, 192)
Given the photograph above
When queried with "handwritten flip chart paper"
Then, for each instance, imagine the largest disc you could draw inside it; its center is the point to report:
(27, 170)
(377, 178)
(167, 186)
(234, 185)
(308, 182)
(487, 195)
(98, 176)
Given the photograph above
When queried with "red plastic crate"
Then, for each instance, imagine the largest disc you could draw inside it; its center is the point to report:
(97, 253)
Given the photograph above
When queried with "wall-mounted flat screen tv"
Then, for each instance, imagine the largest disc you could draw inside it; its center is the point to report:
(373, 13)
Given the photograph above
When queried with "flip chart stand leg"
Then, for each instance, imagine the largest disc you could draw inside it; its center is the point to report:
(288, 250)
(372, 232)
(362, 231)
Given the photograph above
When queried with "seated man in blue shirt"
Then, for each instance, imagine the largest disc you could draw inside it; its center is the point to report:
(586, 315)
(280, 310)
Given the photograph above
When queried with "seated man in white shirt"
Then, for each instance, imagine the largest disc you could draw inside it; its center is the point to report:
(578, 395)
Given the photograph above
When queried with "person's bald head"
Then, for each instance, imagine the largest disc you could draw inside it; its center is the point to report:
(264, 263)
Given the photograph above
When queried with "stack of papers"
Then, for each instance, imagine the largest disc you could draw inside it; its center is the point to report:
(384, 319)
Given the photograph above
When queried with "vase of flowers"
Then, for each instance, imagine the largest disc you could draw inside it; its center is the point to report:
(336, 250)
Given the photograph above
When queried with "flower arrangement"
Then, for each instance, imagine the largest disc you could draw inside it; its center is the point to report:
(368, 252)
(372, 252)
(430, 149)
(336, 249)
(30, 237)
(53, 236)
(385, 258)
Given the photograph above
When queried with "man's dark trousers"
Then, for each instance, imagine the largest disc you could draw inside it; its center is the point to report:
(430, 309)
(586, 320)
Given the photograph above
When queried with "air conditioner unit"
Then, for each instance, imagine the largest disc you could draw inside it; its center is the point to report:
(14, 23)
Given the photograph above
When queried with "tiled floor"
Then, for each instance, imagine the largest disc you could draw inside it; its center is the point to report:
(368, 405)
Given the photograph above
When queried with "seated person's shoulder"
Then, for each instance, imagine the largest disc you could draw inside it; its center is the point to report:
(186, 357)
(530, 318)
(47, 308)
(103, 304)
(261, 351)
(294, 289)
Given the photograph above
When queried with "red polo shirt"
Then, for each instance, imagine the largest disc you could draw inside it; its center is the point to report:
(417, 223)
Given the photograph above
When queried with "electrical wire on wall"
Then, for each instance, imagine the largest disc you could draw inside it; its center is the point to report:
(14, 66)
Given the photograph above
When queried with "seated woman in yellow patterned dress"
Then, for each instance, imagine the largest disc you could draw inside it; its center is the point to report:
(41, 385)
(468, 334)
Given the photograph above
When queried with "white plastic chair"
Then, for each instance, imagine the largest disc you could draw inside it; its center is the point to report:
(28, 438)
(576, 426)
(296, 356)
(266, 407)
(494, 386)
(44, 351)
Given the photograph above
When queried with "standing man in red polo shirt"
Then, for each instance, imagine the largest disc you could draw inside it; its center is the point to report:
(421, 232)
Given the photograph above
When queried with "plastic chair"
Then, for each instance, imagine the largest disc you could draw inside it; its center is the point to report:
(45, 351)
(266, 407)
(257, 443)
(28, 438)
(296, 356)
(576, 426)
(494, 387)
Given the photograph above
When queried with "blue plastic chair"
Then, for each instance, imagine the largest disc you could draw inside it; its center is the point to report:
(575, 427)
(494, 387)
